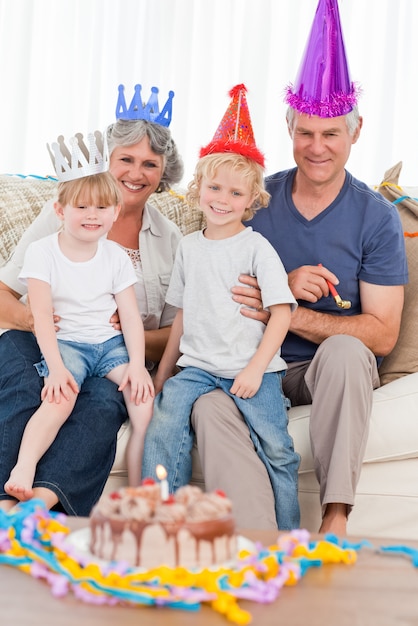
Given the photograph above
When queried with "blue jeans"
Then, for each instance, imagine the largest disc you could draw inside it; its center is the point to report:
(89, 359)
(77, 464)
(169, 437)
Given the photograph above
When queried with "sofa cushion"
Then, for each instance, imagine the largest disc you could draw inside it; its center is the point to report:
(393, 425)
(404, 357)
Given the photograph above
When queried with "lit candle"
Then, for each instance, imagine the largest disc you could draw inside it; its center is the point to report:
(162, 477)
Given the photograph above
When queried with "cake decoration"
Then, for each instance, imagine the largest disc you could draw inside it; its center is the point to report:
(162, 477)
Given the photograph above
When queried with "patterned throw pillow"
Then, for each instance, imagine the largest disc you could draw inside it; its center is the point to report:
(173, 205)
(404, 357)
(21, 199)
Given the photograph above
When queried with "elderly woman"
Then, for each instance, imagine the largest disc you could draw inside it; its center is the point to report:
(73, 472)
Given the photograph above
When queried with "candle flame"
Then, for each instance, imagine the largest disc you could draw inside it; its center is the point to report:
(161, 472)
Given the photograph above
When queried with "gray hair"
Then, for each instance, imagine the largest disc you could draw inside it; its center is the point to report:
(130, 132)
(352, 119)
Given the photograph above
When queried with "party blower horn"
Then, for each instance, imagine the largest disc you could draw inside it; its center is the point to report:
(341, 304)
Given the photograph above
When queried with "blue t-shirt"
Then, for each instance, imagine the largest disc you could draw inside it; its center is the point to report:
(357, 237)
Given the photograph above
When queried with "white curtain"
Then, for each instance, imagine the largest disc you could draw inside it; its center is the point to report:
(61, 62)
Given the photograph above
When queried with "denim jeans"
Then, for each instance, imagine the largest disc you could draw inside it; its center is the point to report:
(89, 359)
(78, 463)
(169, 437)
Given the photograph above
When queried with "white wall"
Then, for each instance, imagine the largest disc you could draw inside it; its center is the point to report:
(62, 60)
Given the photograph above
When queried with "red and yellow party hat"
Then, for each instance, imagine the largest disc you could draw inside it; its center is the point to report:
(235, 132)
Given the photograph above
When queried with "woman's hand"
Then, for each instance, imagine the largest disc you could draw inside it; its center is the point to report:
(15, 314)
(29, 317)
(30, 321)
(250, 296)
(155, 339)
(115, 321)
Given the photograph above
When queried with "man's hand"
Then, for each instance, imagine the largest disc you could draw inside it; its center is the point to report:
(250, 296)
(309, 282)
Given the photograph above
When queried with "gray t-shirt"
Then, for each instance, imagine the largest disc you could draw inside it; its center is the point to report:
(216, 336)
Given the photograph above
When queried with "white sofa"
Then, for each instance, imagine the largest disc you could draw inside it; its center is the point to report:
(387, 495)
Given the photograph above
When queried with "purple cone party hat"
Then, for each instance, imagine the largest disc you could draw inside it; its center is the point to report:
(323, 86)
(235, 132)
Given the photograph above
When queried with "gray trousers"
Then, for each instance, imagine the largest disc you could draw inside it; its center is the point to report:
(339, 382)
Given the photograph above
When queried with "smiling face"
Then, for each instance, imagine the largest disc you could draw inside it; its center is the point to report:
(88, 206)
(224, 197)
(321, 147)
(88, 220)
(138, 171)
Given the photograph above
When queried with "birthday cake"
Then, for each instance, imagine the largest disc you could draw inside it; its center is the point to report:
(190, 528)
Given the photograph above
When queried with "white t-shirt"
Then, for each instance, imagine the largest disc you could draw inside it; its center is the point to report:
(158, 241)
(217, 337)
(82, 292)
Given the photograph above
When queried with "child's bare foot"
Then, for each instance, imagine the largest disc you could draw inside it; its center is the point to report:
(19, 485)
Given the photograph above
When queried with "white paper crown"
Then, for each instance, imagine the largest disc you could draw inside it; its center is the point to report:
(138, 110)
(80, 160)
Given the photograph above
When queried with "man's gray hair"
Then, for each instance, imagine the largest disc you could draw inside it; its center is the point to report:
(352, 119)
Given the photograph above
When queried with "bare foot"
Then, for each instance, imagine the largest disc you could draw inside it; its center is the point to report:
(335, 520)
(19, 485)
